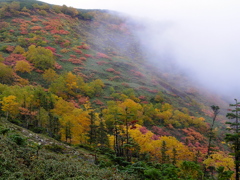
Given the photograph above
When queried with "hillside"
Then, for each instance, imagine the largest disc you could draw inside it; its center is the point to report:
(83, 78)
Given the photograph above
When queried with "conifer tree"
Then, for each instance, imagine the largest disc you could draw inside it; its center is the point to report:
(215, 110)
(102, 137)
(164, 152)
(233, 138)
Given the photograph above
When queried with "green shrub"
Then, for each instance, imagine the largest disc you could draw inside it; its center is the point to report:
(54, 148)
(152, 174)
(3, 130)
(19, 140)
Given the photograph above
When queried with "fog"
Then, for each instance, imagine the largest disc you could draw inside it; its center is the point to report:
(201, 36)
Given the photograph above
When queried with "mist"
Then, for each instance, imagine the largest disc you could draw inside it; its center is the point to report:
(201, 36)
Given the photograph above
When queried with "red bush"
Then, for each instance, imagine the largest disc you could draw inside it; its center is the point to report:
(143, 130)
(137, 73)
(58, 55)
(83, 58)
(39, 71)
(82, 99)
(18, 20)
(23, 32)
(155, 137)
(113, 71)
(78, 51)
(35, 19)
(98, 102)
(159, 131)
(10, 48)
(49, 27)
(51, 49)
(84, 46)
(73, 56)
(125, 84)
(153, 91)
(25, 13)
(110, 70)
(57, 66)
(63, 32)
(142, 97)
(101, 63)
(88, 55)
(36, 28)
(115, 77)
(102, 55)
(75, 61)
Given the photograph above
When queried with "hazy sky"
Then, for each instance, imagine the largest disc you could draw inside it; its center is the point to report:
(201, 35)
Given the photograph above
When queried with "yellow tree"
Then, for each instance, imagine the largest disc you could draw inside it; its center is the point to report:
(6, 73)
(74, 121)
(50, 75)
(23, 66)
(131, 112)
(175, 151)
(1, 58)
(58, 87)
(97, 85)
(219, 159)
(19, 50)
(41, 57)
(71, 83)
(129, 107)
(10, 106)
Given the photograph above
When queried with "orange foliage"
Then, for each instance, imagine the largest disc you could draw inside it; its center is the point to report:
(83, 58)
(10, 48)
(63, 32)
(25, 13)
(36, 28)
(82, 99)
(98, 102)
(65, 50)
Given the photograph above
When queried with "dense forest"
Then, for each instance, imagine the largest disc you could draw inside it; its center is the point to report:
(80, 80)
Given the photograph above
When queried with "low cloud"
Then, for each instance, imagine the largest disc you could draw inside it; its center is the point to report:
(201, 36)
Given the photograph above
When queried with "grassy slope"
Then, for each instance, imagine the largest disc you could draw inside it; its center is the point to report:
(27, 155)
(111, 35)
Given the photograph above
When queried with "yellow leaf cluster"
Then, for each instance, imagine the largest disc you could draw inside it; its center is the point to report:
(147, 144)
(23, 66)
(220, 159)
(10, 105)
(78, 118)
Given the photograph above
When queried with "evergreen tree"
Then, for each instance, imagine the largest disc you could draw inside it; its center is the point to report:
(215, 110)
(164, 152)
(234, 136)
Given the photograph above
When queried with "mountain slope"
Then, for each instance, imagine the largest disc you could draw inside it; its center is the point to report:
(82, 76)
